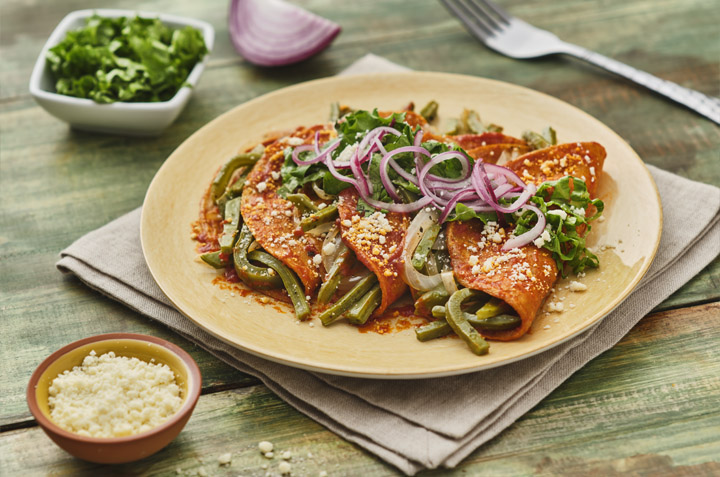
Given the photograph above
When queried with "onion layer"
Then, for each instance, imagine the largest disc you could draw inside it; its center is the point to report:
(424, 219)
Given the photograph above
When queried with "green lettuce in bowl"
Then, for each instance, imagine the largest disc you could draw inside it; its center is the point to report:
(121, 71)
(129, 59)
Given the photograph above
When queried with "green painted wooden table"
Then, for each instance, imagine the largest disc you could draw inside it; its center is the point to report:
(647, 406)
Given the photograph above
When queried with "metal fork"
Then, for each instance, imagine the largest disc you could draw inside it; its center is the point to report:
(515, 38)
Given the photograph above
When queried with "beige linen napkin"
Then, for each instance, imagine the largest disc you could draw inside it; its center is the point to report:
(412, 424)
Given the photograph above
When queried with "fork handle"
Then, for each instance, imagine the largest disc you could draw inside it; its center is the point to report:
(705, 105)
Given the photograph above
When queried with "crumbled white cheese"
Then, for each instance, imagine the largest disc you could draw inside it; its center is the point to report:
(261, 186)
(347, 153)
(113, 396)
(578, 211)
(265, 446)
(559, 212)
(294, 141)
(284, 468)
(225, 459)
(577, 286)
(275, 175)
(329, 248)
(542, 239)
(317, 259)
(287, 455)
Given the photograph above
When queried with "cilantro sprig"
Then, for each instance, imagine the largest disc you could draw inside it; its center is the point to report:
(125, 59)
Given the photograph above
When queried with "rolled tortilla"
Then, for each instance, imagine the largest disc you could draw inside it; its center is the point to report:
(274, 221)
(377, 241)
(521, 277)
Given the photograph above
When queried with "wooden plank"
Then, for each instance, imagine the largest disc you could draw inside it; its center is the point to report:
(648, 405)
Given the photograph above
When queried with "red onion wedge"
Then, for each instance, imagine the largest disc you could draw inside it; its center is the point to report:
(276, 33)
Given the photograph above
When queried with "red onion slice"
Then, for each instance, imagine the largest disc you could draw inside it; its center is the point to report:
(463, 195)
(276, 33)
(364, 152)
(530, 235)
(388, 160)
(314, 147)
(331, 167)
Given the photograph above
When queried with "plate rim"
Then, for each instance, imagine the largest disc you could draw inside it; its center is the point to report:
(307, 365)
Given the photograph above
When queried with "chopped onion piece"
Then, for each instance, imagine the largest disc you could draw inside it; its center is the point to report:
(448, 279)
(331, 246)
(320, 192)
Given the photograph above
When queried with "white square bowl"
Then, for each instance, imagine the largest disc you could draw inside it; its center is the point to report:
(137, 119)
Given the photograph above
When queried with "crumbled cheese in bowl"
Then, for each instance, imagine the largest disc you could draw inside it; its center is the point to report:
(113, 396)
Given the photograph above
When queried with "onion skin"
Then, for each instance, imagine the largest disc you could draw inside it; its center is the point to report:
(276, 33)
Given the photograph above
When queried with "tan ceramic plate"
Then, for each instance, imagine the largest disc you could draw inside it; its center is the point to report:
(628, 237)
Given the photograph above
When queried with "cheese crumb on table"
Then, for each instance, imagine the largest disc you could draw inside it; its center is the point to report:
(225, 459)
(284, 468)
(265, 446)
(113, 396)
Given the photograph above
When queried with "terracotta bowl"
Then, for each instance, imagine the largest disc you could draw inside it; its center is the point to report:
(115, 450)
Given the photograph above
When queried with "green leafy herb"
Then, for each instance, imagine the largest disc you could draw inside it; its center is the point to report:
(463, 212)
(125, 59)
(295, 176)
(564, 203)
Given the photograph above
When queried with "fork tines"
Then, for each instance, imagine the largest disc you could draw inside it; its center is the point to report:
(481, 17)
